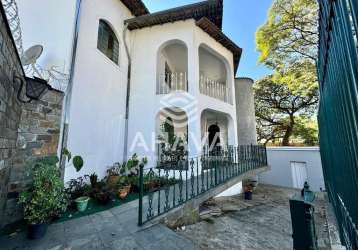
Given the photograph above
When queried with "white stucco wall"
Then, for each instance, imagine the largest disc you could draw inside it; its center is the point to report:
(211, 66)
(49, 23)
(280, 158)
(99, 90)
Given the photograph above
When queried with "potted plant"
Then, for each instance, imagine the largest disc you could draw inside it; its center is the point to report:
(124, 187)
(93, 179)
(113, 174)
(81, 203)
(77, 188)
(127, 172)
(248, 192)
(102, 195)
(134, 182)
(151, 182)
(45, 199)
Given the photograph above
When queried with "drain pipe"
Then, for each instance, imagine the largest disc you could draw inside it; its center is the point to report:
(125, 144)
(67, 104)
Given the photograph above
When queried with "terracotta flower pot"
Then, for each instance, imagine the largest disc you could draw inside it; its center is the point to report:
(124, 191)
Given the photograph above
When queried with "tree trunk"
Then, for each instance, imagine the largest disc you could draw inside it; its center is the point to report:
(286, 137)
(289, 131)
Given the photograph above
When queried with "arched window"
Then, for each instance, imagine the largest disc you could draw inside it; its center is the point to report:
(107, 41)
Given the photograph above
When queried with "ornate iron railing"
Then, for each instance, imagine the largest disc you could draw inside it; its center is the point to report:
(215, 89)
(338, 113)
(166, 187)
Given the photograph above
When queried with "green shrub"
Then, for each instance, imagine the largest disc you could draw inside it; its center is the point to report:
(46, 198)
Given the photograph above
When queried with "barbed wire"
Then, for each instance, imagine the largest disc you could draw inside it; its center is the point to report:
(57, 79)
(12, 13)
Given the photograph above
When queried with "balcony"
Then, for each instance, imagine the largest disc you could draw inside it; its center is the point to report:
(214, 71)
(215, 89)
(172, 67)
(172, 82)
(214, 75)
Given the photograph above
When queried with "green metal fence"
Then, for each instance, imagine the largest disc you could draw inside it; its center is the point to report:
(338, 111)
(171, 184)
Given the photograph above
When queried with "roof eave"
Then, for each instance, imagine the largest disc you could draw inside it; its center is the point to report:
(212, 9)
(210, 28)
(137, 7)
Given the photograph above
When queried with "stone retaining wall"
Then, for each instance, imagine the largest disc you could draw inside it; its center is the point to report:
(10, 108)
(26, 130)
(38, 135)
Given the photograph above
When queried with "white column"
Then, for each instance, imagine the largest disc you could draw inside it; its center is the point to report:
(194, 128)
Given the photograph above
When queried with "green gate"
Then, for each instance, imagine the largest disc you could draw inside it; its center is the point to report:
(338, 111)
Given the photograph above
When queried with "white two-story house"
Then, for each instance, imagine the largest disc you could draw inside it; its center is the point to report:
(135, 75)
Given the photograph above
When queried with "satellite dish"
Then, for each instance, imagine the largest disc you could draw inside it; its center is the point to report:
(31, 55)
(54, 77)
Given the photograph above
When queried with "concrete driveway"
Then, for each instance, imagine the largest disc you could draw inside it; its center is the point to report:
(263, 223)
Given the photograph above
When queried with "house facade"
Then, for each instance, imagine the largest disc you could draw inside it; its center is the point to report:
(138, 78)
(134, 72)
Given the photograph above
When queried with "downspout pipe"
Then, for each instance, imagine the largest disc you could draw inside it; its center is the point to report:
(67, 104)
(125, 142)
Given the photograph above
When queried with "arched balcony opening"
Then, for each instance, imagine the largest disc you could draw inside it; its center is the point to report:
(171, 135)
(172, 68)
(214, 75)
(217, 129)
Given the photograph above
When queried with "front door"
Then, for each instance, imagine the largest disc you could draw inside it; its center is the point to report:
(299, 174)
(214, 137)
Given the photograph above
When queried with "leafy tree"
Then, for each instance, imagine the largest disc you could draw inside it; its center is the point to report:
(278, 106)
(290, 33)
(287, 100)
(306, 131)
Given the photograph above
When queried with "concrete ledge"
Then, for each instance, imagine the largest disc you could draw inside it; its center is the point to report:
(332, 225)
(293, 149)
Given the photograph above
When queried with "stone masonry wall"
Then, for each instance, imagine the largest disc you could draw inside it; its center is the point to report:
(38, 136)
(27, 130)
(10, 108)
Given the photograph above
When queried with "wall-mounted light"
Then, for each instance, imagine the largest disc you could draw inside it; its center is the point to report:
(35, 88)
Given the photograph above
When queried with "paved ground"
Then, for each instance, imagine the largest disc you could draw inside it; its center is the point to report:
(111, 229)
(263, 223)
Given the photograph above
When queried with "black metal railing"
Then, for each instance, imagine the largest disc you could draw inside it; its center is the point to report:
(338, 112)
(166, 187)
